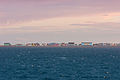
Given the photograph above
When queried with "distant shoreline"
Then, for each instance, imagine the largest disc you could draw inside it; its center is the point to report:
(60, 46)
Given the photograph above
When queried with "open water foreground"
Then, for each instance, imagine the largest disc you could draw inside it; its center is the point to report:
(59, 63)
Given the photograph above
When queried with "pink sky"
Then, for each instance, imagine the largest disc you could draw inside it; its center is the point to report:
(59, 20)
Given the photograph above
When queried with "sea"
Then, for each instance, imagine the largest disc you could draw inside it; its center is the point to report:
(35, 63)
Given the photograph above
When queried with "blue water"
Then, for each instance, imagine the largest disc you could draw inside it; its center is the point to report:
(59, 63)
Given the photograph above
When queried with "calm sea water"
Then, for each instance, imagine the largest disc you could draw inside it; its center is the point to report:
(59, 63)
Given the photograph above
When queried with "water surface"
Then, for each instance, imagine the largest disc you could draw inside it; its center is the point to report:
(59, 63)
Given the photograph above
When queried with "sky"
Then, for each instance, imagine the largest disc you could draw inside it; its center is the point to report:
(23, 21)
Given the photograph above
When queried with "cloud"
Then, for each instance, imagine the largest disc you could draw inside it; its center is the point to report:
(112, 26)
(49, 17)
(108, 24)
(18, 12)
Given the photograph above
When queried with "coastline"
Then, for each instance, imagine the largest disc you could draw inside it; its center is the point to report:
(60, 46)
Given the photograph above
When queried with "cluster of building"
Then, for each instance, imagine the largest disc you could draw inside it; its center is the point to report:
(69, 44)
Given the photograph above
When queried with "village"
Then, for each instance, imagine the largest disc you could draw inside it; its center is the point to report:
(68, 44)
